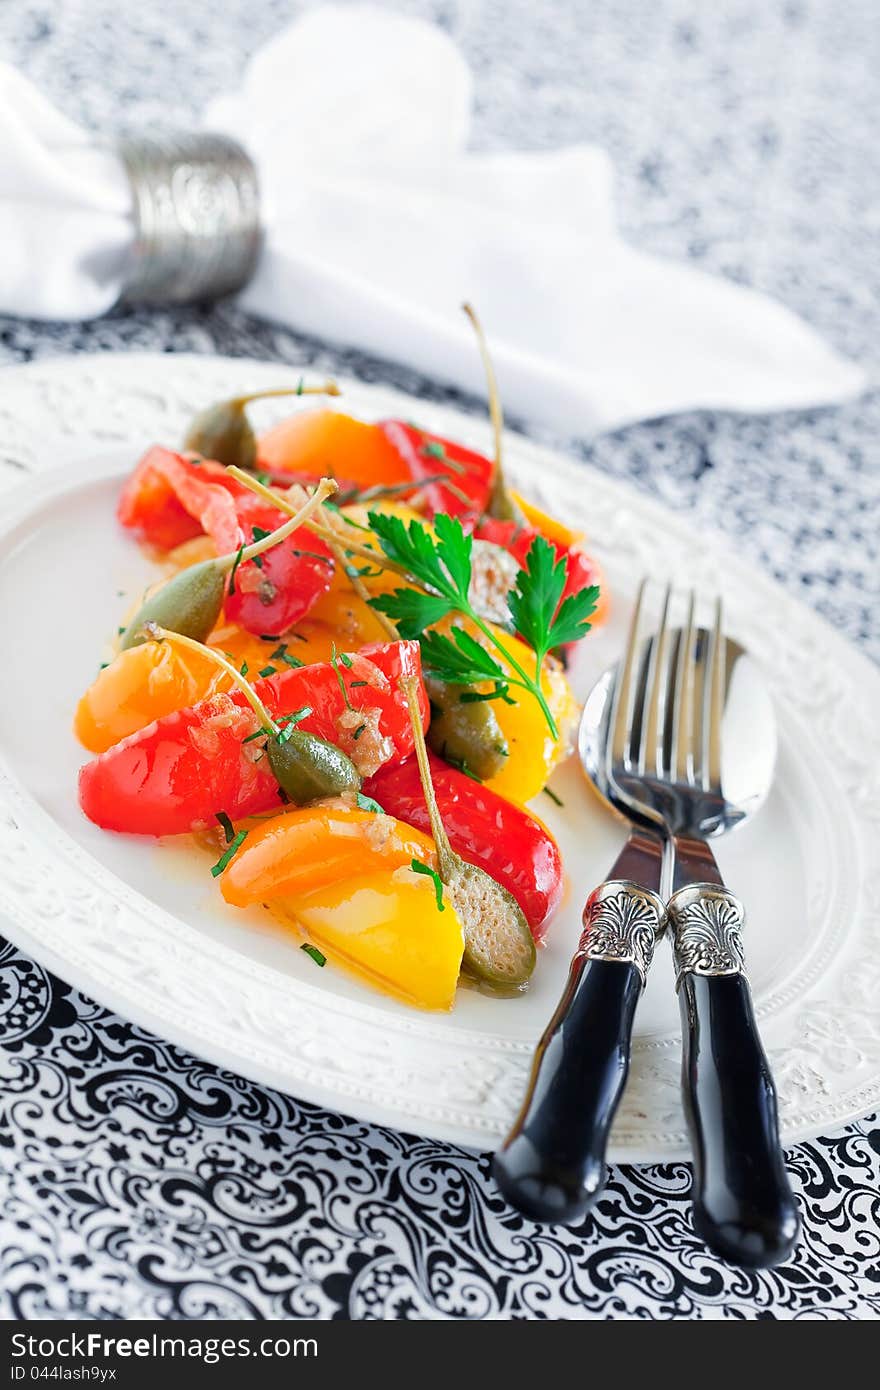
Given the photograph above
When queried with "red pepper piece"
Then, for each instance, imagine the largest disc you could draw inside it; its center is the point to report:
(175, 775)
(274, 591)
(511, 845)
(169, 499)
(470, 473)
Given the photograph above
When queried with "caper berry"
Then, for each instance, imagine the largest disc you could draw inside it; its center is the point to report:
(499, 949)
(223, 432)
(466, 732)
(309, 768)
(189, 604)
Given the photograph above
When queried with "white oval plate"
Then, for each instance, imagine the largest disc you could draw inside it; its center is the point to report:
(142, 928)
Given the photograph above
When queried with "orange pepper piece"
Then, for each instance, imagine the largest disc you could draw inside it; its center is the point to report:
(316, 442)
(313, 846)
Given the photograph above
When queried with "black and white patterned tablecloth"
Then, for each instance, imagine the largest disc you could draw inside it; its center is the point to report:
(138, 1181)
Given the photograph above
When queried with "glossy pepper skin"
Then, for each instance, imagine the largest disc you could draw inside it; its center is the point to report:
(425, 455)
(505, 840)
(272, 595)
(175, 775)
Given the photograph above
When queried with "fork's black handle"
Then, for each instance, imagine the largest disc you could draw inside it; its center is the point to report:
(552, 1164)
(743, 1203)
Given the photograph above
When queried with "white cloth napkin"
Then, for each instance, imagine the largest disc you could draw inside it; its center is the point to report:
(380, 222)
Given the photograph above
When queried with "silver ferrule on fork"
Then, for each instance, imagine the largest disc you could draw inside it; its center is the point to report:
(622, 922)
(706, 929)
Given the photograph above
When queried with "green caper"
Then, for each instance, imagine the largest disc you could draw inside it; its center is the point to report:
(466, 732)
(309, 768)
(188, 604)
(223, 433)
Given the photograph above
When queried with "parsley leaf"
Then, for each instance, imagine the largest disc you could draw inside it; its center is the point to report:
(535, 597)
(459, 659)
(411, 611)
(366, 803)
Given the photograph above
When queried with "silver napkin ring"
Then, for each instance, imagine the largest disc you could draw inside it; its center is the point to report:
(196, 209)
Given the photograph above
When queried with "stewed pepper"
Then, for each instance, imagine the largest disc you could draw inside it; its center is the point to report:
(485, 829)
(346, 875)
(178, 772)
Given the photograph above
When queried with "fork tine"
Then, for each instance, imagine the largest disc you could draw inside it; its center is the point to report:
(651, 735)
(714, 705)
(620, 718)
(681, 696)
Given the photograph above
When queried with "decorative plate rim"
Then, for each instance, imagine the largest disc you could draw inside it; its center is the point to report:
(461, 1085)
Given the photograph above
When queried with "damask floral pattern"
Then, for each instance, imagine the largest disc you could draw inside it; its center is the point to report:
(138, 1181)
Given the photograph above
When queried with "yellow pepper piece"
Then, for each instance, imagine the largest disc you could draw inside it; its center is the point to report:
(533, 751)
(388, 928)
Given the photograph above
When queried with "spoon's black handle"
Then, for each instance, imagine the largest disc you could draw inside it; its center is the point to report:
(743, 1204)
(552, 1164)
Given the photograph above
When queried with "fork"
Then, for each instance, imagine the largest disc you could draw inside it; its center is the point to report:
(552, 1164)
(742, 1202)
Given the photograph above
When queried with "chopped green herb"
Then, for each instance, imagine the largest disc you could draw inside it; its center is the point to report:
(225, 857)
(354, 684)
(228, 828)
(119, 631)
(317, 956)
(243, 669)
(419, 868)
(346, 660)
(268, 671)
(334, 662)
(264, 478)
(259, 534)
(313, 555)
(358, 731)
(366, 803)
(258, 733)
(282, 654)
(499, 692)
(553, 797)
(235, 565)
(288, 722)
(268, 636)
(433, 449)
(460, 765)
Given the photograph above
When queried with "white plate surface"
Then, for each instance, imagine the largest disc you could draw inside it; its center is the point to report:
(142, 928)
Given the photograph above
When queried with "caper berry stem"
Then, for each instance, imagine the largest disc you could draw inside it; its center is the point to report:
(500, 504)
(326, 488)
(328, 530)
(162, 634)
(445, 853)
(327, 388)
